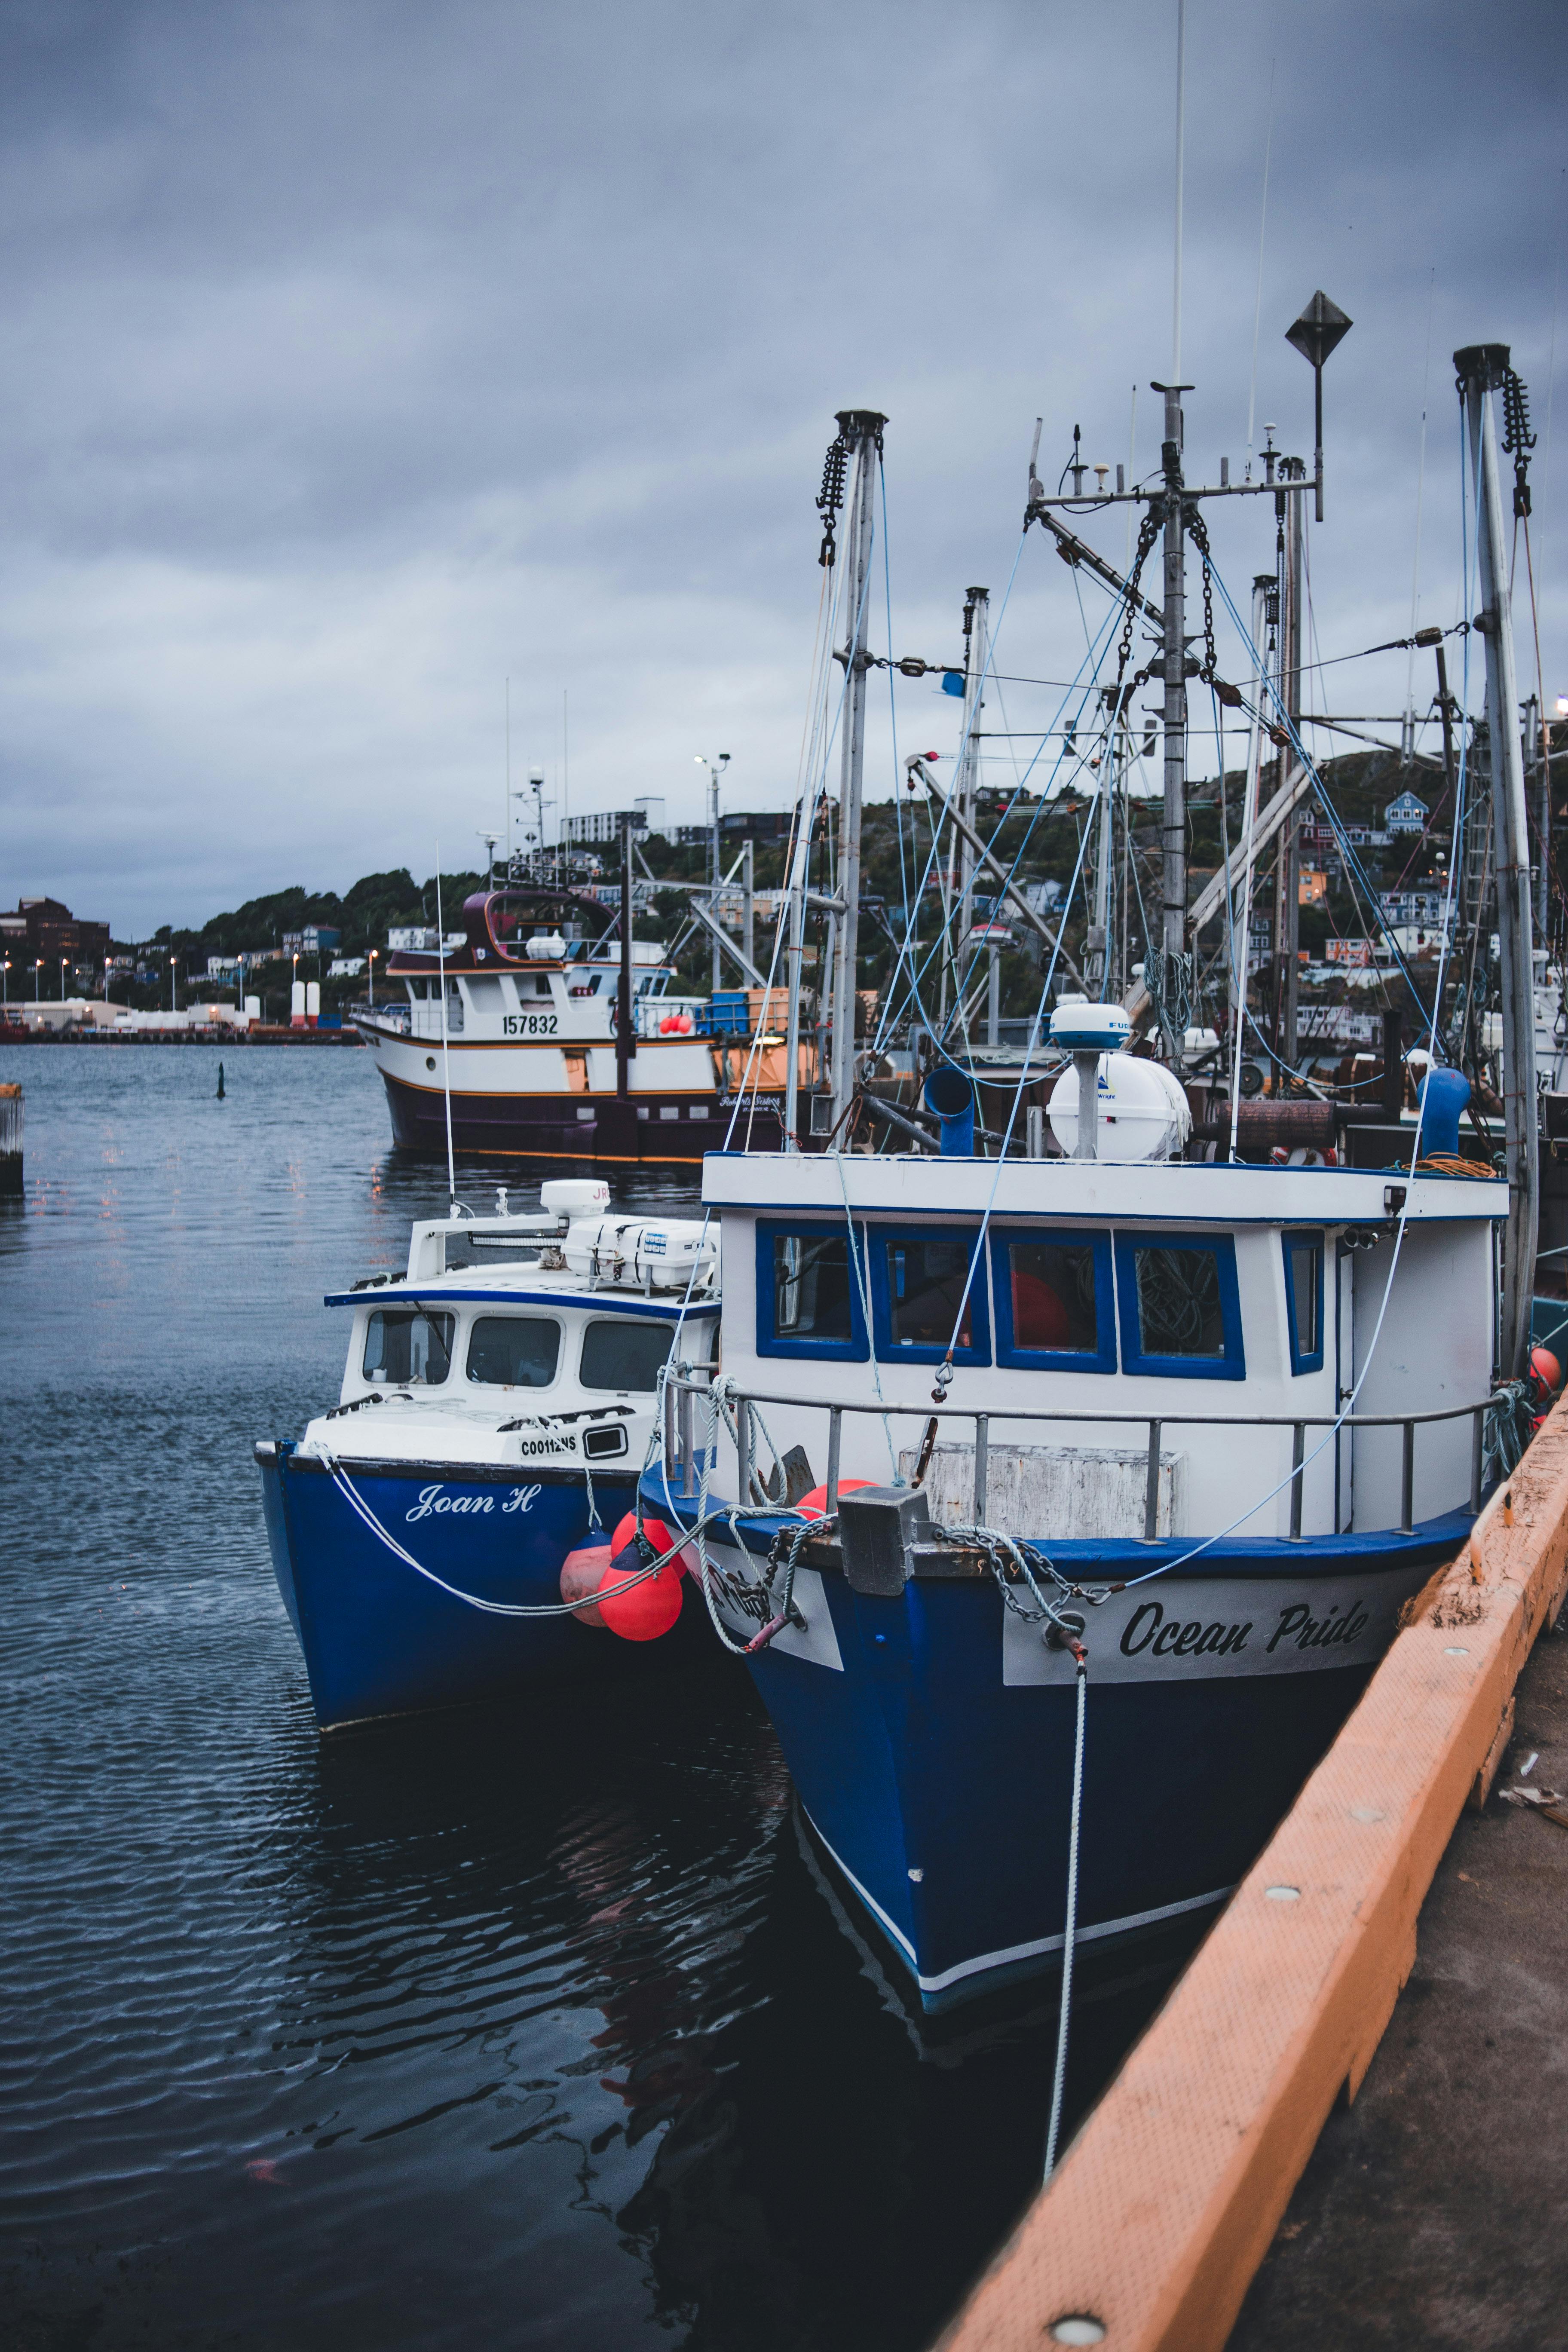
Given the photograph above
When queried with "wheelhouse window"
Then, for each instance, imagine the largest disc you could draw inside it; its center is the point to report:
(924, 1296)
(1180, 1314)
(1304, 1300)
(403, 1345)
(1053, 1301)
(624, 1356)
(808, 1293)
(514, 1351)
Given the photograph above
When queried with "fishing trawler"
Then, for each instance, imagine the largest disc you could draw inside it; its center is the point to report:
(1130, 1453)
(495, 1409)
(524, 1041)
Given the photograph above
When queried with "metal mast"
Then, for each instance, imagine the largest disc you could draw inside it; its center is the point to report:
(1174, 825)
(1292, 601)
(976, 606)
(862, 432)
(1483, 368)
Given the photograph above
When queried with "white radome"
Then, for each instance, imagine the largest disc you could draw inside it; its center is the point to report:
(1144, 1113)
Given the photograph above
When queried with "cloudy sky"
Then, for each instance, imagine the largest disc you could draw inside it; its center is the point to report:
(360, 353)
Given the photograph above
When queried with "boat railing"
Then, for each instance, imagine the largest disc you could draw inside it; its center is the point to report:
(687, 1382)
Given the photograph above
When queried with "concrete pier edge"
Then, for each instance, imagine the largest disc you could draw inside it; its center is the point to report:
(1166, 2202)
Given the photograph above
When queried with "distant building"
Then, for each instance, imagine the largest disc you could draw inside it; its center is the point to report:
(647, 816)
(1422, 906)
(44, 929)
(413, 939)
(316, 939)
(345, 968)
(1406, 814)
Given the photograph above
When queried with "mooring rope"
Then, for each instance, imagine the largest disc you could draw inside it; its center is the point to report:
(1064, 2022)
(357, 1504)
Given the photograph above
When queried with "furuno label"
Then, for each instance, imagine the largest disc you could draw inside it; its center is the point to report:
(435, 1502)
(1187, 1631)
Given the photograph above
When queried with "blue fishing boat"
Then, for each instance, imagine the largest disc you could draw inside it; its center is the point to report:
(495, 1409)
(1151, 1477)
(1138, 1424)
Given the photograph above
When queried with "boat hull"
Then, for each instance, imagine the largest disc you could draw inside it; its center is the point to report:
(930, 1739)
(380, 1639)
(552, 1127)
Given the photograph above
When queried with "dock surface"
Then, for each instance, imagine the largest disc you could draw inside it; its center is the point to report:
(1431, 2212)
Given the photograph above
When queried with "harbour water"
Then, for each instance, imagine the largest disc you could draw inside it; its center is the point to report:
(528, 2028)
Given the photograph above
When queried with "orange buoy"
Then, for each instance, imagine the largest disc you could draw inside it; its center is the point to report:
(581, 1573)
(658, 1535)
(814, 1503)
(640, 1612)
(1545, 1370)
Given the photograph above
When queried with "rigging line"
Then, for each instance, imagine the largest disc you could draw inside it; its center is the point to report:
(1346, 849)
(898, 806)
(1332, 1435)
(1552, 360)
(976, 1255)
(1420, 494)
(1132, 476)
(1257, 305)
(1041, 805)
(1069, 1936)
(800, 830)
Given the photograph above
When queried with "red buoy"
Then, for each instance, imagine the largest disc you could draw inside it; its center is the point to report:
(1545, 1370)
(814, 1503)
(581, 1573)
(658, 1538)
(639, 1612)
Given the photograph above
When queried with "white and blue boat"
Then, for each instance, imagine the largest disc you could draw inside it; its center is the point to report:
(1133, 1451)
(495, 1410)
(1145, 1453)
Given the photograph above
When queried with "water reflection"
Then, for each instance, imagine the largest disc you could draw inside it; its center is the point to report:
(534, 2027)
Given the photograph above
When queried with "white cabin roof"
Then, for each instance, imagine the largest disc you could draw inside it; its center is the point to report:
(1186, 1193)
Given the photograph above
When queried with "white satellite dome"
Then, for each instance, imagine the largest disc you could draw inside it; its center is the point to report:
(1143, 1112)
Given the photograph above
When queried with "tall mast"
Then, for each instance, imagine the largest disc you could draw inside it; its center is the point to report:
(862, 431)
(1174, 823)
(1292, 601)
(1097, 957)
(1482, 368)
(977, 607)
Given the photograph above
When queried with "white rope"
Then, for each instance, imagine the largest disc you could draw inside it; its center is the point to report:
(357, 1503)
(1059, 2082)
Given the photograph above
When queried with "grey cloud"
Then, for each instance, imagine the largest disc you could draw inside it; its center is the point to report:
(359, 355)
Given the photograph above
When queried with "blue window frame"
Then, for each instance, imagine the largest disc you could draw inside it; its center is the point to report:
(809, 1292)
(1179, 1306)
(1304, 1300)
(1055, 1304)
(917, 1276)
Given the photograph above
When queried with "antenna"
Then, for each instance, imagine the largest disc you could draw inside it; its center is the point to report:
(445, 1043)
(1181, 162)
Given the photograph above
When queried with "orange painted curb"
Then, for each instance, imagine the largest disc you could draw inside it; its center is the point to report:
(1166, 2202)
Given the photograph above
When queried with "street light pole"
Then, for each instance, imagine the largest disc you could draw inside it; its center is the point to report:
(714, 772)
(373, 953)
